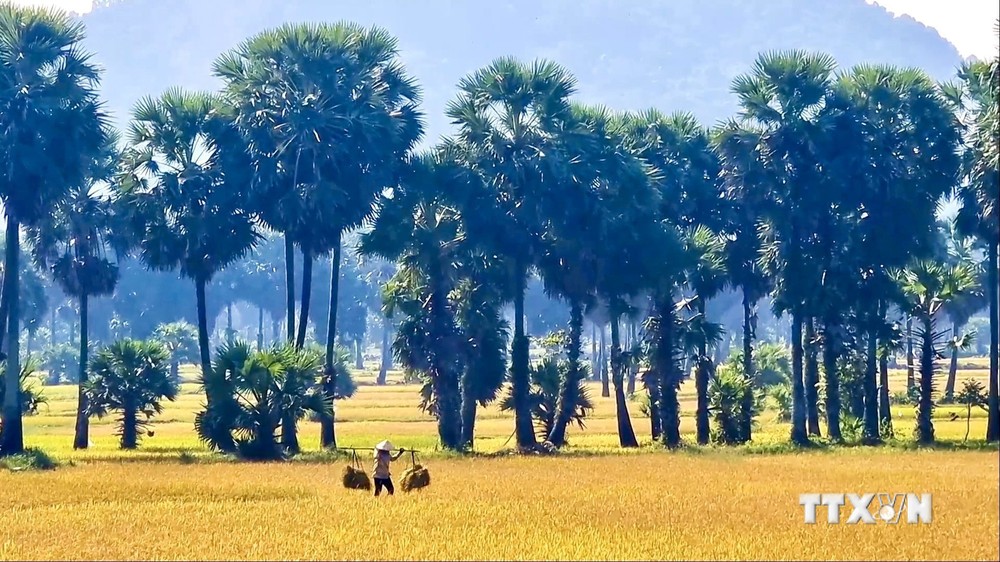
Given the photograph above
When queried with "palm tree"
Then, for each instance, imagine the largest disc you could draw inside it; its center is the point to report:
(508, 113)
(927, 287)
(781, 99)
(183, 193)
(421, 227)
(706, 279)
(181, 341)
(977, 100)
(258, 392)
(885, 110)
(330, 113)
(51, 127)
(133, 378)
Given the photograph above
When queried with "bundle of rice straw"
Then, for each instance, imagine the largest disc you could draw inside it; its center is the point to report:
(415, 477)
(356, 479)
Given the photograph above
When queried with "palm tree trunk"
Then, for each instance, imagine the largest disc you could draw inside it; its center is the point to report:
(130, 427)
(701, 373)
(386, 362)
(925, 404)
(203, 347)
(605, 387)
(949, 387)
(359, 358)
(230, 334)
(307, 268)
(595, 371)
(175, 372)
(626, 435)
(799, 435)
(884, 408)
(445, 376)
(746, 422)
(290, 287)
(12, 434)
(468, 411)
(811, 378)
(668, 406)
(519, 367)
(633, 367)
(81, 439)
(830, 345)
(910, 376)
(260, 327)
(870, 433)
(993, 401)
(566, 403)
(275, 329)
(289, 433)
(328, 436)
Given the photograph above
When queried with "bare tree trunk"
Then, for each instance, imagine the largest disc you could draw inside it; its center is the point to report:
(81, 438)
(386, 362)
(12, 433)
(869, 384)
(811, 378)
(993, 402)
(307, 267)
(910, 378)
(830, 348)
(949, 387)
(626, 435)
(290, 288)
(520, 364)
(605, 388)
(701, 376)
(799, 434)
(260, 328)
(746, 422)
(328, 435)
(566, 403)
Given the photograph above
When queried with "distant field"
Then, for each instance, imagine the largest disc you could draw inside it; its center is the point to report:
(168, 501)
(390, 411)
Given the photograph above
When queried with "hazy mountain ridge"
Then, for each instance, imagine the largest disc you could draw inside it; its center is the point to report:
(680, 55)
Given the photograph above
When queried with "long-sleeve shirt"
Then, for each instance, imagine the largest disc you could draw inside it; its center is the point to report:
(382, 459)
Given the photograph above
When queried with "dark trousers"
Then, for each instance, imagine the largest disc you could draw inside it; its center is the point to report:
(387, 482)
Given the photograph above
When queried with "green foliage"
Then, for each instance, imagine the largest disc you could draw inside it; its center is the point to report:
(61, 363)
(32, 396)
(772, 363)
(726, 392)
(782, 396)
(252, 393)
(30, 459)
(543, 396)
(180, 339)
(130, 377)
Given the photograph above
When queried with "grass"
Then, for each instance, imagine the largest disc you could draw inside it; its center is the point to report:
(172, 499)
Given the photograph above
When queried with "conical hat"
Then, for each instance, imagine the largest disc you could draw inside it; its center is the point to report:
(384, 446)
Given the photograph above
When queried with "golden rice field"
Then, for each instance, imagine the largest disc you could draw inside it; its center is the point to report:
(168, 501)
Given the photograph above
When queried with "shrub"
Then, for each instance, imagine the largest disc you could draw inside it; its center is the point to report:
(30, 459)
(543, 395)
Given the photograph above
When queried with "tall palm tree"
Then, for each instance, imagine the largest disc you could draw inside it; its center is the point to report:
(421, 227)
(977, 99)
(330, 113)
(51, 126)
(507, 114)
(74, 243)
(781, 99)
(927, 287)
(183, 193)
(904, 139)
(706, 279)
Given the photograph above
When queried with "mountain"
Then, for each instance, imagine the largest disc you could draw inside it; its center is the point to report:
(627, 54)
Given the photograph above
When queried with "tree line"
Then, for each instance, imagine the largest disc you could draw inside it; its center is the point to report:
(818, 197)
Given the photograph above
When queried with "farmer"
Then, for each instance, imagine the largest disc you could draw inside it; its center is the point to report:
(381, 472)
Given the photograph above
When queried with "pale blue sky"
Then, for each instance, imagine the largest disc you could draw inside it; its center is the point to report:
(968, 24)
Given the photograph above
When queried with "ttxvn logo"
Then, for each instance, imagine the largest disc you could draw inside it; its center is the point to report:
(869, 508)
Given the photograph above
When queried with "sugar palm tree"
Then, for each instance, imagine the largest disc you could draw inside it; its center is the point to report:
(927, 287)
(977, 99)
(183, 192)
(131, 377)
(181, 341)
(780, 99)
(507, 114)
(330, 113)
(51, 126)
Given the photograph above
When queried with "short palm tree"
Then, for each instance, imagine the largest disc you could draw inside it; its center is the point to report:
(51, 127)
(258, 393)
(927, 287)
(181, 341)
(131, 377)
